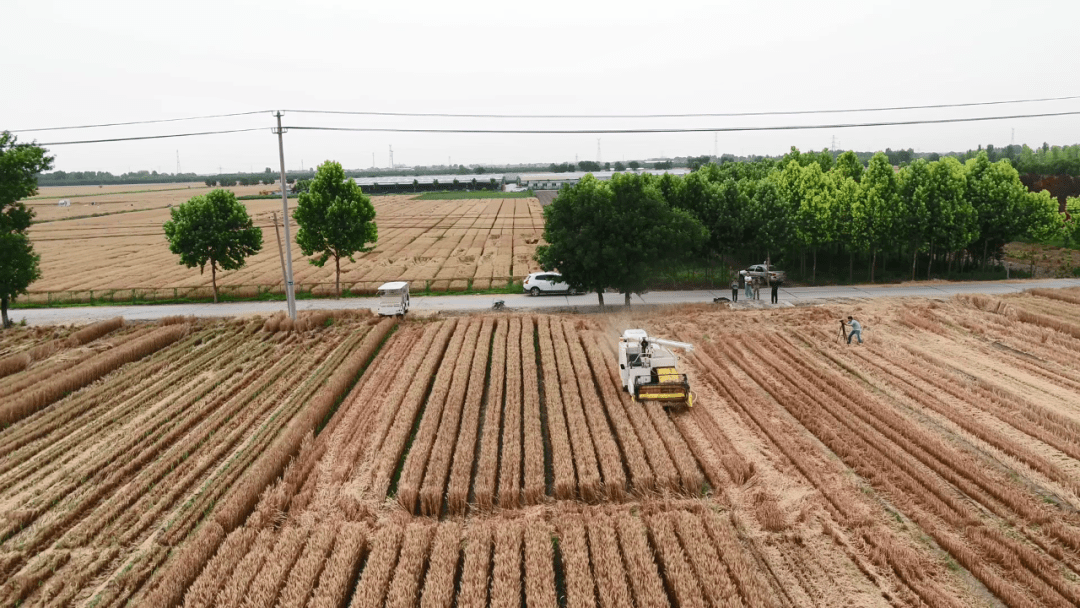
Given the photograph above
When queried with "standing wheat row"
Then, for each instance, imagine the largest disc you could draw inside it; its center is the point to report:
(487, 469)
(449, 428)
(534, 473)
(430, 416)
(510, 460)
(404, 417)
(608, 454)
(589, 482)
(562, 460)
(464, 454)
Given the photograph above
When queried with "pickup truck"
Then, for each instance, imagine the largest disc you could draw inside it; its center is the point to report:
(759, 270)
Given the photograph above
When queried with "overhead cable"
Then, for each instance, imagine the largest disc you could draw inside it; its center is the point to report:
(140, 122)
(102, 141)
(686, 129)
(687, 115)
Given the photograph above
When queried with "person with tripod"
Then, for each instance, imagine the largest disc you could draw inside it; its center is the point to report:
(856, 329)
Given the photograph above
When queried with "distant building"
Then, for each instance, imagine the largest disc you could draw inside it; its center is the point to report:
(555, 181)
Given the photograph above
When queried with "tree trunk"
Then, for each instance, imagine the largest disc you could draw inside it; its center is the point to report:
(929, 260)
(948, 264)
(600, 296)
(851, 267)
(627, 298)
(986, 244)
(873, 262)
(213, 279)
(813, 275)
(4, 322)
(914, 260)
(337, 276)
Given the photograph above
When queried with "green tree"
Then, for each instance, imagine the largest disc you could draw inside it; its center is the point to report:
(619, 166)
(913, 223)
(20, 165)
(1039, 217)
(336, 219)
(846, 195)
(874, 215)
(588, 166)
(1071, 228)
(209, 183)
(953, 222)
(848, 165)
(635, 165)
(812, 205)
(997, 194)
(612, 234)
(215, 229)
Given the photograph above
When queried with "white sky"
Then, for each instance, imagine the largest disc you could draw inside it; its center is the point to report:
(77, 62)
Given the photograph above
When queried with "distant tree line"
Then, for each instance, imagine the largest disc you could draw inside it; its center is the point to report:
(812, 210)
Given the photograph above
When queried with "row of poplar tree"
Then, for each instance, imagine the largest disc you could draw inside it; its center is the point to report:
(941, 213)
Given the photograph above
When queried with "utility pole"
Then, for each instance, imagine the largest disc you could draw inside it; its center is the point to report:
(290, 297)
(178, 162)
(372, 160)
(391, 158)
(715, 146)
(598, 161)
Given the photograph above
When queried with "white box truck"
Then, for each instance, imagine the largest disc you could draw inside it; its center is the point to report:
(394, 298)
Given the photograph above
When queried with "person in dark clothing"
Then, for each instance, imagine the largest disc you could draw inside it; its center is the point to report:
(734, 290)
(775, 285)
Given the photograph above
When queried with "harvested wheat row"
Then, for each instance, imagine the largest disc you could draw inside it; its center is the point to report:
(438, 468)
(533, 447)
(506, 575)
(19, 361)
(588, 471)
(678, 574)
(641, 475)
(641, 566)
(465, 452)
(708, 566)
(375, 577)
(607, 451)
(393, 447)
(305, 573)
(510, 459)
(341, 567)
(539, 564)
(580, 583)
(607, 562)
(87, 372)
(439, 582)
(487, 468)
(693, 480)
(216, 573)
(562, 460)
(267, 584)
(405, 585)
(242, 500)
(475, 573)
(416, 461)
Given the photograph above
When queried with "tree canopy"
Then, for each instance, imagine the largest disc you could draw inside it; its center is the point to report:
(611, 234)
(215, 229)
(20, 165)
(336, 219)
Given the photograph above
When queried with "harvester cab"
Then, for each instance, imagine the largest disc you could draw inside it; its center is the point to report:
(649, 371)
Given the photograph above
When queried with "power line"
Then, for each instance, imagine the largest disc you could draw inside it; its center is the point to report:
(688, 130)
(101, 141)
(140, 122)
(689, 115)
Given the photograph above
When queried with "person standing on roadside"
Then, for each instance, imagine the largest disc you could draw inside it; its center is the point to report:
(734, 290)
(757, 288)
(856, 329)
(775, 286)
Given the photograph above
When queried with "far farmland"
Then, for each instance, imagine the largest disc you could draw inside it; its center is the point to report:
(117, 244)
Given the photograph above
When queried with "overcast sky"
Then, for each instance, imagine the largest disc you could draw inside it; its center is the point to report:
(77, 62)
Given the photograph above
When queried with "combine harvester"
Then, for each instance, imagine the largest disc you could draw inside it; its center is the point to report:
(648, 369)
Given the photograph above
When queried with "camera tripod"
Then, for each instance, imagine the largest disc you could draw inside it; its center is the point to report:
(842, 333)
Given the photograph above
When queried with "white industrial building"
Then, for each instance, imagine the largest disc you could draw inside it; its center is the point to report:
(555, 181)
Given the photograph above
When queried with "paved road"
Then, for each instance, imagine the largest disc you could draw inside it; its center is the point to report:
(788, 297)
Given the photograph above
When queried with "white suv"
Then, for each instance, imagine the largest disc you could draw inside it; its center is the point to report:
(545, 282)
